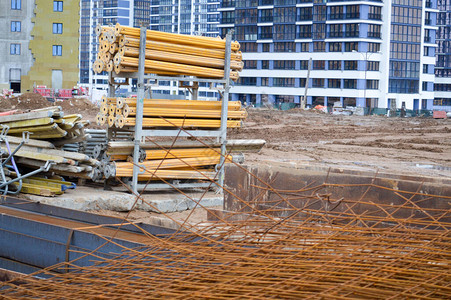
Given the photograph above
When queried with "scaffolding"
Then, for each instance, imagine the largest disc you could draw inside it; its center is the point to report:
(223, 86)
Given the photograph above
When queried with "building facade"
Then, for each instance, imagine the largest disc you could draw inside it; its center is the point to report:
(370, 54)
(104, 12)
(16, 58)
(54, 45)
(197, 17)
(442, 87)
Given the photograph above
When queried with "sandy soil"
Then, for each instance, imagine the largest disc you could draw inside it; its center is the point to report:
(420, 146)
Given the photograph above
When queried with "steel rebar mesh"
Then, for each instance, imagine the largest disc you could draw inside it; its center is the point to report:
(302, 243)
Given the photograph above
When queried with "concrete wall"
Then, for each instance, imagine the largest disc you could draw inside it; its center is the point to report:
(43, 39)
(24, 60)
(303, 186)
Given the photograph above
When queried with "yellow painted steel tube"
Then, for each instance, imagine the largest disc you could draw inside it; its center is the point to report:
(173, 47)
(184, 123)
(181, 153)
(185, 104)
(177, 174)
(125, 169)
(200, 41)
(124, 69)
(181, 69)
(179, 58)
(183, 112)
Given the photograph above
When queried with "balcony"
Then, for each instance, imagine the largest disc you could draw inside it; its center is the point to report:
(265, 36)
(265, 19)
(228, 3)
(266, 2)
(375, 16)
(375, 35)
(355, 15)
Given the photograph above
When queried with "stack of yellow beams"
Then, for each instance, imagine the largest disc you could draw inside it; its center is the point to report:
(47, 123)
(166, 53)
(195, 164)
(120, 112)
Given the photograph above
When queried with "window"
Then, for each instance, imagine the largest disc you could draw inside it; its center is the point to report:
(335, 47)
(250, 64)
(303, 64)
(350, 65)
(334, 64)
(349, 83)
(266, 47)
(283, 82)
(334, 83)
(352, 30)
(375, 13)
(15, 26)
(265, 15)
(352, 12)
(426, 69)
(305, 47)
(57, 5)
(14, 49)
(57, 28)
(372, 66)
(265, 33)
(336, 13)
(284, 47)
(319, 64)
(247, 81)
(374, 31)
(335, 30)
(319, 46)
(57, 50)
(284, 64)
(265, 64)
(318, 82)
(372, 84)
(305, 32)
(228, 17)
(265, 81)
(304, 14)
(248, 47)
(374, 47)
(351, 46)
(16, 4)
(284, 32)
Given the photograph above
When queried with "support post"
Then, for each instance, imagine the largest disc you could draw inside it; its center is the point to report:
(225, 106)
(304, 99)
(139, 107)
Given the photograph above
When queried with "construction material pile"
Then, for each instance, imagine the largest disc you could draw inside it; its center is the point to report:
(166, 53)
(48, 123)
(49, 130)
(120, 112)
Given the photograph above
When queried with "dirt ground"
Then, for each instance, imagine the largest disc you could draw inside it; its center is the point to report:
(415, 146)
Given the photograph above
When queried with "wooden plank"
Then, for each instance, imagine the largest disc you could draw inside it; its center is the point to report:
(26, 116)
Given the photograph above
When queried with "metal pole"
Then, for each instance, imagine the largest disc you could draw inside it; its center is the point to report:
(225, 106)
(364, 84)
(304, 99)
(139, 107)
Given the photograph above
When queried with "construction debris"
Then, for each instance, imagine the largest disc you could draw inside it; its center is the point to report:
(49, 129)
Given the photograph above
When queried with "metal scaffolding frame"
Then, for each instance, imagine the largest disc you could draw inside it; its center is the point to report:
(140, 133)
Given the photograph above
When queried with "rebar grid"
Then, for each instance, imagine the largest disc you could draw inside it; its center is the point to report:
(302, 243)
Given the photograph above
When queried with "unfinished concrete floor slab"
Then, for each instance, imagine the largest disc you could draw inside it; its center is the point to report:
(89, 198)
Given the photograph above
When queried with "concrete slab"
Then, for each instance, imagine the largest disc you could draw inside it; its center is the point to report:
(89, 198)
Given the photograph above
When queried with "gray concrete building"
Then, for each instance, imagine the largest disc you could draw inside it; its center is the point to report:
(16, 58)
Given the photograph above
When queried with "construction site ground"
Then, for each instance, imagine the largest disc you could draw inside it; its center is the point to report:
(405, 146)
